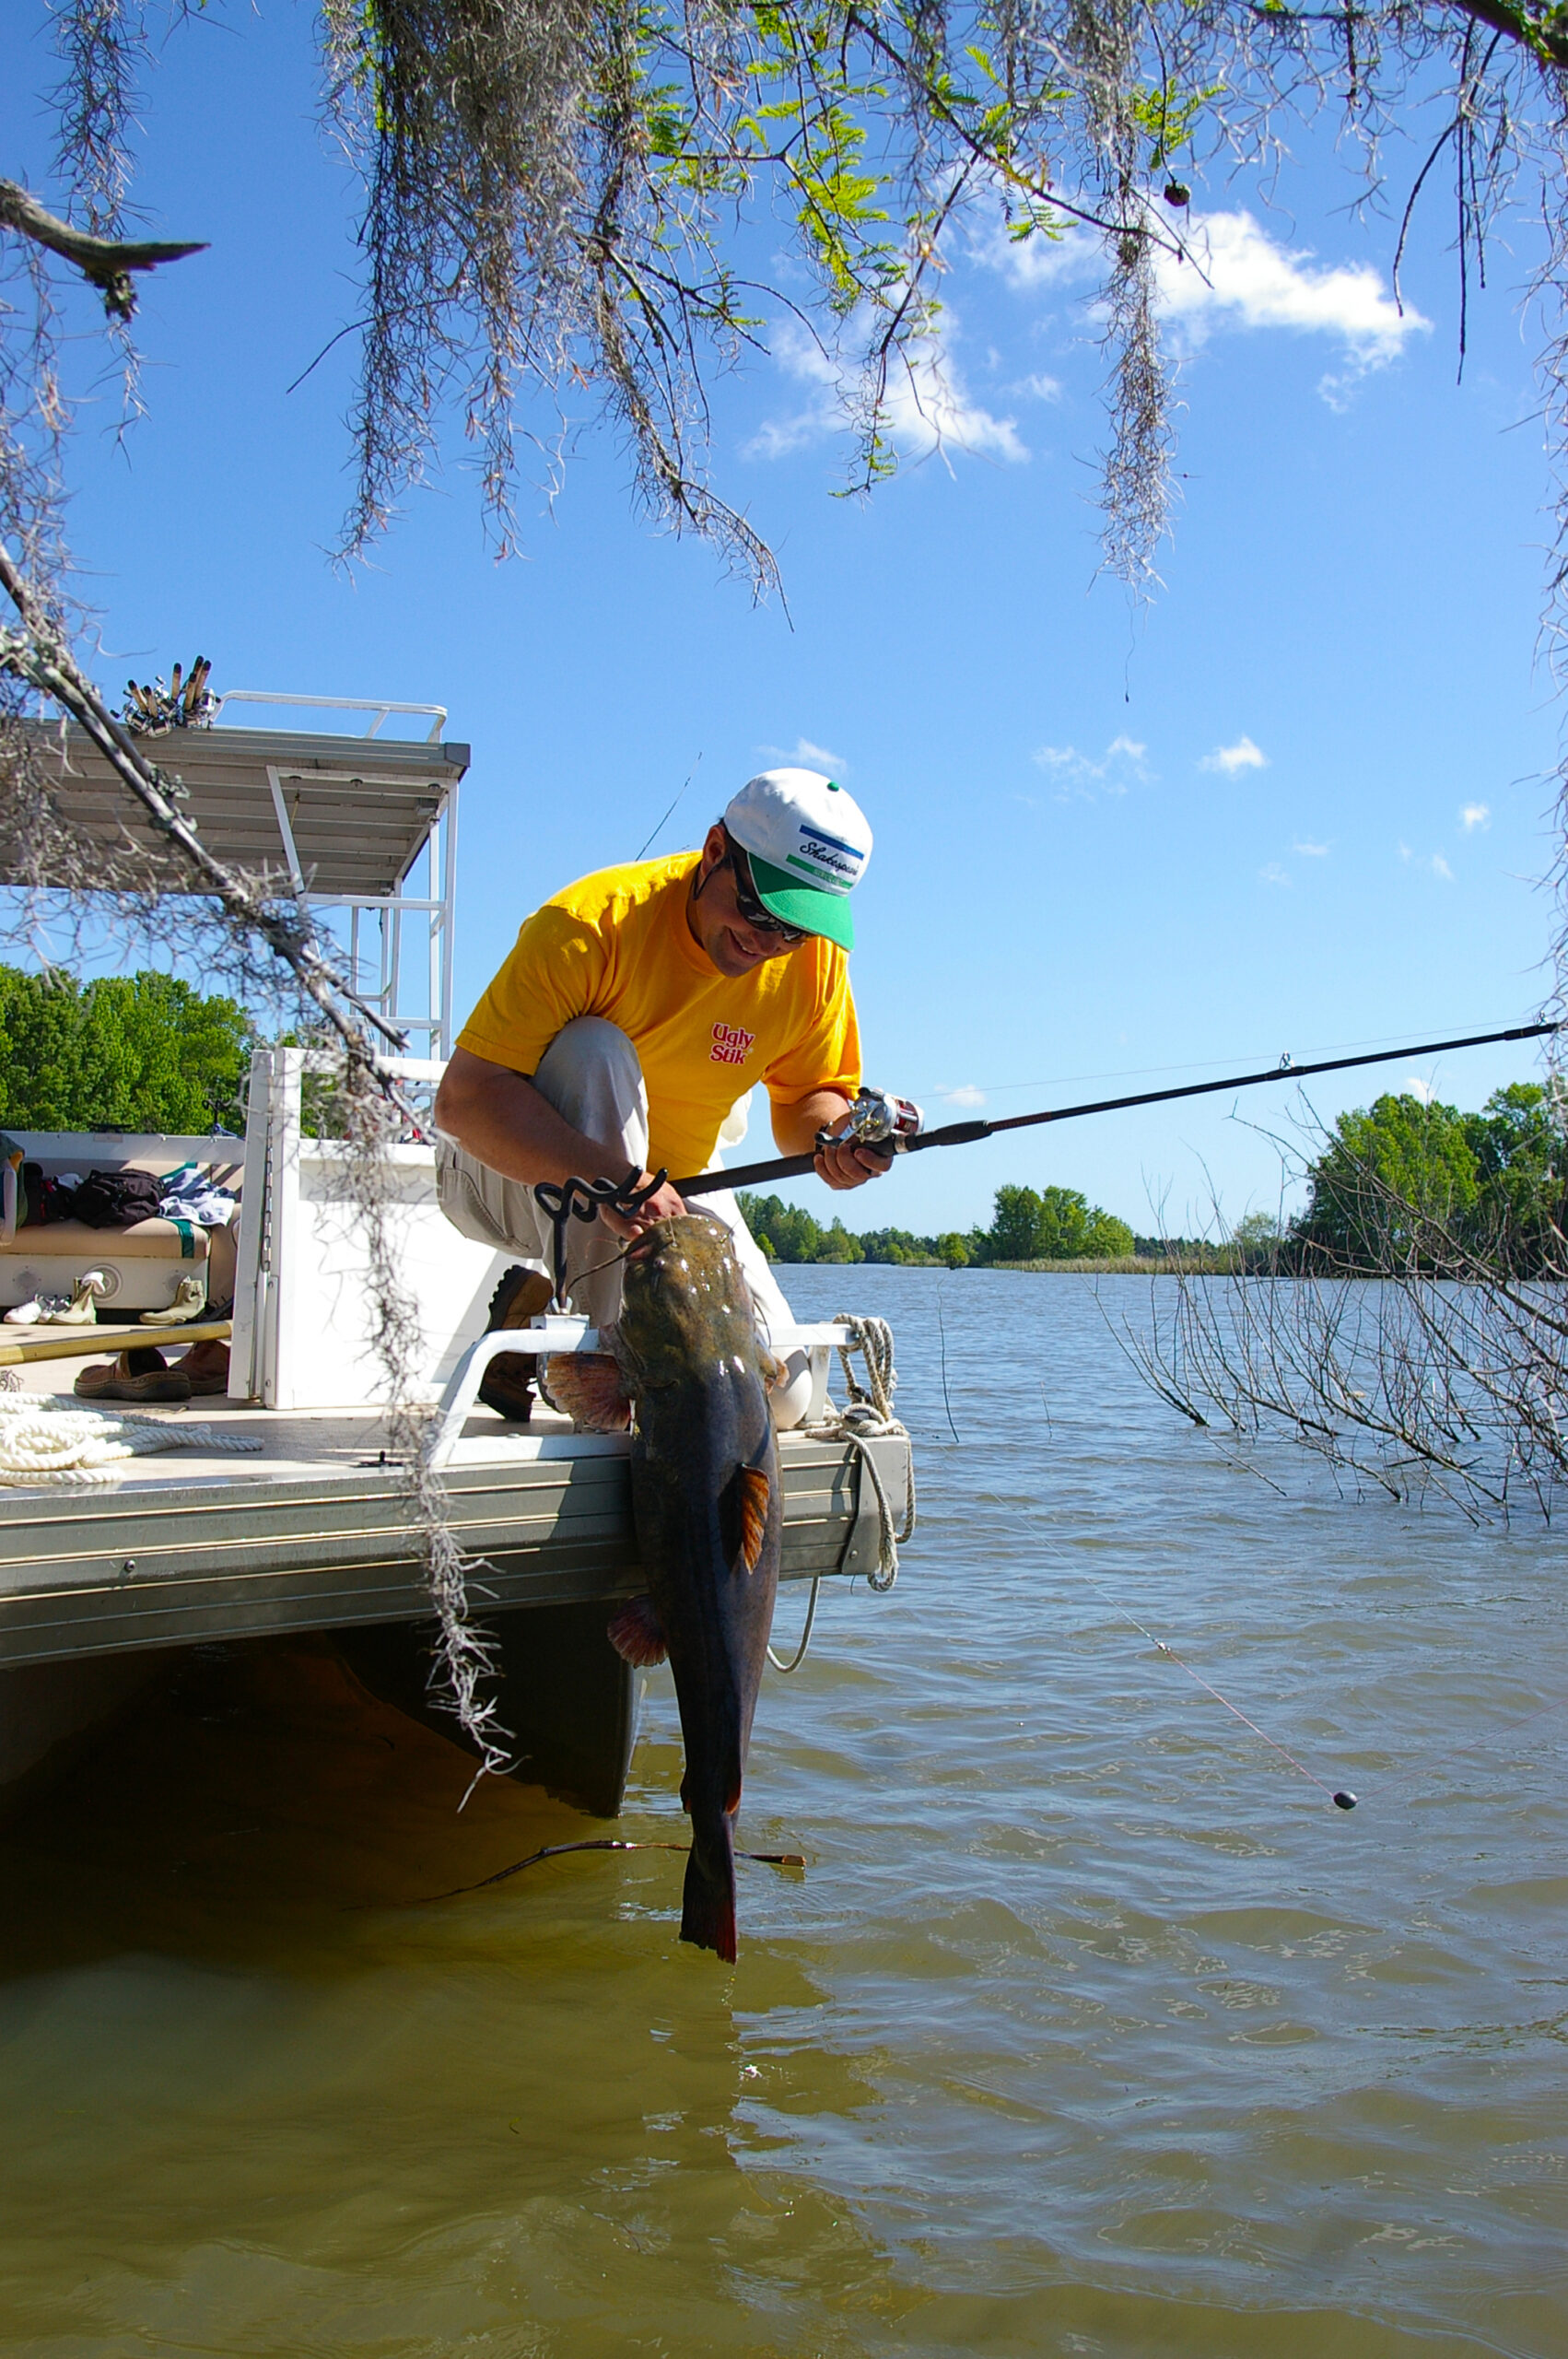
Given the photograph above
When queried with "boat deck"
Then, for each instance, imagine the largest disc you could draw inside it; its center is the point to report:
(311, 1532)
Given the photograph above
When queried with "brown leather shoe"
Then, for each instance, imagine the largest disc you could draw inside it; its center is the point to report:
(205, 1368)
(140, 1374)
(507, 1383)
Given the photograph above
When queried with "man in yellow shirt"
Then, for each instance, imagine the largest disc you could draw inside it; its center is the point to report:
(639, 1005)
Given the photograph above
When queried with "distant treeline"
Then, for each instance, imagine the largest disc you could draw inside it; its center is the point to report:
(1053, 1224)
(1399, 1184)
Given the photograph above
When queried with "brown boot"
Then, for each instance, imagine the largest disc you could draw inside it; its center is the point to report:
(507, 1383)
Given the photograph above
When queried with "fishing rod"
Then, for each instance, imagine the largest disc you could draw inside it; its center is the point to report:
(895, 1125)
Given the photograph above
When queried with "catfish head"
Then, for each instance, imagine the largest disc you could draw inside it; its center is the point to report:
(684, 1305)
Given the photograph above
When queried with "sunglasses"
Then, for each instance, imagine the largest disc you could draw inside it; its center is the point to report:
(761, 920)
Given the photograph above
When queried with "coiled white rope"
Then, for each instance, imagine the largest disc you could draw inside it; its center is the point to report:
(866, 1416)
(42, 1446)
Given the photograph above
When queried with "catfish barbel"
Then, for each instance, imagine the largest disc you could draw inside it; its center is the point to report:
(707, 1500)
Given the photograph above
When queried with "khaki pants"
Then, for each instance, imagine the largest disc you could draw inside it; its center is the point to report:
(590, 1075)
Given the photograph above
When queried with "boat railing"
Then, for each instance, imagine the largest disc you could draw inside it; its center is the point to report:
(556, 1334)
(383, 709)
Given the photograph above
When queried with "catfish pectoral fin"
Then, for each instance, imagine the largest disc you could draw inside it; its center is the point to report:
(746, 1495)
(708, 1902)
(636, 1634)
(586, 1386)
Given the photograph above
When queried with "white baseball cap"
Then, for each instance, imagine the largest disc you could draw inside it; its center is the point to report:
(807, 843)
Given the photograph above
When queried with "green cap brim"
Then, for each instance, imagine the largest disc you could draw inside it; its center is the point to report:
(782, 897)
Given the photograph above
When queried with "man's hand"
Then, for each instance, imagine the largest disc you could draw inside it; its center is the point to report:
(850, 1165)
(797, 1127)
(663, 1204)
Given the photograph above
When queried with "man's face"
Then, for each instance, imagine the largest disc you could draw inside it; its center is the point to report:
(735, 946)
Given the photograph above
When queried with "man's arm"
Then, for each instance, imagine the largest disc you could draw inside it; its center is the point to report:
(499, 1116)
(795, 1128)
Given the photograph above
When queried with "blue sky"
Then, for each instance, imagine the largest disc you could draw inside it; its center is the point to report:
(1298, 804)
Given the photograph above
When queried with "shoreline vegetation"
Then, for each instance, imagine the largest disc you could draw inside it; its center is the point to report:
(1401, 1187)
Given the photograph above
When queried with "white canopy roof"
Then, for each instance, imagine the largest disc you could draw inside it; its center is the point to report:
(353, 812)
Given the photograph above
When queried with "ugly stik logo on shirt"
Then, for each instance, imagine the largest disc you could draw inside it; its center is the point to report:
(833, 866)
(732, 1045)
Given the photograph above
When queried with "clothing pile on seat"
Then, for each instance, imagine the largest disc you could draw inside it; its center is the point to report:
(190, 1194)
(129, 1236)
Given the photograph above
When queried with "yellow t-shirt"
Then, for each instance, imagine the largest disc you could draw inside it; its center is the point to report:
(617, 945)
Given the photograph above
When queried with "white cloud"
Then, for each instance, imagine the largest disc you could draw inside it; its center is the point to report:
(1239, 276)
(1119, 766)
(1036, 388)
(803, 754)
(1310, 851)
(1433, 861)
(1274, 874)
(928, 408)
(1475, 815)
(1243, 755)
(967, 1094)
(1416, 1088)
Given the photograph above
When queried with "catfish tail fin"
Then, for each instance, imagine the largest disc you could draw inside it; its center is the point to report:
(708, 1910)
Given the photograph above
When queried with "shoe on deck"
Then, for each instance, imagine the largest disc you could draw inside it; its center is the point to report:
(139, 1375)
(190, 1302)
(205, 1368)
(35, 1311)
(81, 1308)
(507, 1383)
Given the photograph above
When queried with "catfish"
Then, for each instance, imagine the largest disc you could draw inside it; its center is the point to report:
(709, 1509)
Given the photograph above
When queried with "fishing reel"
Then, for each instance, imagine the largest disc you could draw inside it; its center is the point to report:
(877, 1117)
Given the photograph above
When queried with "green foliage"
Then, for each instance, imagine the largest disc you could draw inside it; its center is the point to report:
(139, 1052)
(1256, 1239)
(1015, 1226)
(1388, 1175)
(784, 1232)
(788, 1234)
(1169, 118)
(1057, 1224)
(835, 1244)
(1403, 1183)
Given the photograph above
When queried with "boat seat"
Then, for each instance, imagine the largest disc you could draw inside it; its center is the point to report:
(145, 1240)
(143, 1264)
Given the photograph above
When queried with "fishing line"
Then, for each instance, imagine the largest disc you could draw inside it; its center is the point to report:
(600, 1843)
(690, 775)
(942, 1332)
(1339, 1796)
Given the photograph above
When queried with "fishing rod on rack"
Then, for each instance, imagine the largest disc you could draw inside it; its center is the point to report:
(896, 1125)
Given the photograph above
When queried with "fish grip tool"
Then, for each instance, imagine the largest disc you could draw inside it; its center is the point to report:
(566, 1201)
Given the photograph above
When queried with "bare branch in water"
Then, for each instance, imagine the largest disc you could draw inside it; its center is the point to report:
(1420, 1360)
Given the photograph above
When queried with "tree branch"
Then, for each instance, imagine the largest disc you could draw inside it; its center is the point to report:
(36, 654)
(105, 263)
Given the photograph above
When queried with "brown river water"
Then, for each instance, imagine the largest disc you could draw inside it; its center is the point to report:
(1090, 2027)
